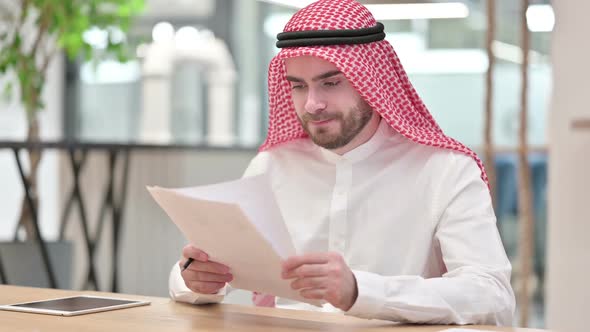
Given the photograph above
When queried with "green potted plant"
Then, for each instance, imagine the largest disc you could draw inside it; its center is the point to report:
(32, 33)
(35, 31)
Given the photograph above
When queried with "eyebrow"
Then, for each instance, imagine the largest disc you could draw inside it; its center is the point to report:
(316, 78)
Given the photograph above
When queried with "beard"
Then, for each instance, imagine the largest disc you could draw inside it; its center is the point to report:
(350, 125)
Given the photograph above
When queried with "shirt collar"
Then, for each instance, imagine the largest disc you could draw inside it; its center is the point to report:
(362, 151)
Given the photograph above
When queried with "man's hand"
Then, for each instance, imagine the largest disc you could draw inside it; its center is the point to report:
(322, 276)
(202, 275)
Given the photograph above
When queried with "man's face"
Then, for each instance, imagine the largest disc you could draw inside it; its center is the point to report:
(330, 110)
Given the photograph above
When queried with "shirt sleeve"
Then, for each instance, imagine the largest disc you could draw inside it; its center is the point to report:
(179, 292)
(177, 288)
(476, 287)
(258, 165)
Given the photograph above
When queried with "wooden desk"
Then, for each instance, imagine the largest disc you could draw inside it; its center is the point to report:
(166, 315)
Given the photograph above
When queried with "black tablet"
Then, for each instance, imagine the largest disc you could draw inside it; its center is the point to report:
(74, 305)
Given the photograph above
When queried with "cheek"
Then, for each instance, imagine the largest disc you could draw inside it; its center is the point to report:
(343, 103)
(298, 103)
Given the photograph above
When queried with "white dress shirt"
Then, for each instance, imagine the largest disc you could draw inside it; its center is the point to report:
(414, 223)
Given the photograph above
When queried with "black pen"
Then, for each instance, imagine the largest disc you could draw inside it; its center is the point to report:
(187, 263)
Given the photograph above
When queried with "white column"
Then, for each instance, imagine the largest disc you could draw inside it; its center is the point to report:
(155, 108)
(568, 258)
(220, 110)
(214, 55)
(248, 59)
(155, 117)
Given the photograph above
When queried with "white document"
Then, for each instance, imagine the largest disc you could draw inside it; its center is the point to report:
(238, 224)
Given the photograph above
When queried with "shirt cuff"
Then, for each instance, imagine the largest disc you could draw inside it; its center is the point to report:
(371, 295)
(179, 292)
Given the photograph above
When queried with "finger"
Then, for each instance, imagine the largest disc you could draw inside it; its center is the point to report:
(312, 258)
(189, 251)
(205, 287)
(207, 276)
(314, 282)
(212, 267)
(307, 270)
(313, 293)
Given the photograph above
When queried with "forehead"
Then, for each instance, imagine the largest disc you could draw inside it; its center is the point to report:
(308, 66)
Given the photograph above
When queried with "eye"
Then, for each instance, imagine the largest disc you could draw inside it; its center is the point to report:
(297, 86)
(330, 84)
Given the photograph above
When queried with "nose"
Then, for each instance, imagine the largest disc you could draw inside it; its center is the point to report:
(314, 103)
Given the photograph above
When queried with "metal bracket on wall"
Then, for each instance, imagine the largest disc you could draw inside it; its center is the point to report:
(580, 124)
(113, 200)
(35, 221)
(2, 274)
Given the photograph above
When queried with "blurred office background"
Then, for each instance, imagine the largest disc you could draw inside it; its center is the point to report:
(197, 79)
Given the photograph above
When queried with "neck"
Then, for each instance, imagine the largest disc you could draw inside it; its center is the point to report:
(362, 137)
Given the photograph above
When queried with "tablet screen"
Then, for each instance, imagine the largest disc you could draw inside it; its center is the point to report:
(77, 303)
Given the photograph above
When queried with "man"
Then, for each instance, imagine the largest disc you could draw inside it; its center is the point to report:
(392, 218)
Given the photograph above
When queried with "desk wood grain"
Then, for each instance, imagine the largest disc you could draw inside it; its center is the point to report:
(166, 315)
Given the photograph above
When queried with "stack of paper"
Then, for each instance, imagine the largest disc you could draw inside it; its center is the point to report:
(238, 224)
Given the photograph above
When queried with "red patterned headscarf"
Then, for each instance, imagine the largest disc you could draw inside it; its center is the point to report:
(373, 69)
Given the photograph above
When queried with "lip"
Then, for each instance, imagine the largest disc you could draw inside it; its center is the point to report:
(322, 122)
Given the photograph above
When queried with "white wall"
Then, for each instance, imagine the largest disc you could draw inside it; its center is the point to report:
(568, 289)
(456, 102)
